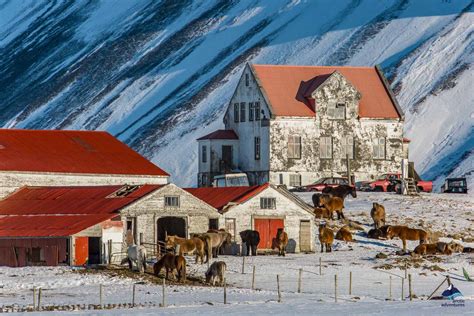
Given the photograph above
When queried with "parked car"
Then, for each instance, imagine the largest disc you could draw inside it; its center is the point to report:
(390, 182)
(231, 180)
(321, 184)
(454, 185)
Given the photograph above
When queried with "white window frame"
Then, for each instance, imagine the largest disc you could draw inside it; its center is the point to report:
(347, 147)
(337, 111)
(294, 147)
(325, 147)
(295, 180)
(379, 147)
(170, 201)
(268, 203)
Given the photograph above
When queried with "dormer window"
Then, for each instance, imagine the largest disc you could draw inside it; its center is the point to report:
(337, 111)
(247, 80)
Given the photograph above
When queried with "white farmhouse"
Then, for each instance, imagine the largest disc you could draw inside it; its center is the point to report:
(294, 124)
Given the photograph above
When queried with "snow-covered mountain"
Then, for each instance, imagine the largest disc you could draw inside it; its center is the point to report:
(159, 74)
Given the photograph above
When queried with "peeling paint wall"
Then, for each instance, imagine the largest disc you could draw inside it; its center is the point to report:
(212, 166)
(149, 209)
(291, 212)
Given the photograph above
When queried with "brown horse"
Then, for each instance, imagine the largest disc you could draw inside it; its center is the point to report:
(333, 204)
(215, 238)
(281, 241)
(171, 263)
(341, 191)
(194, 244)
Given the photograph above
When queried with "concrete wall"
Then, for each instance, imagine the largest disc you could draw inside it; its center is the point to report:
(287, 209)
(10, 180)
(149, 209)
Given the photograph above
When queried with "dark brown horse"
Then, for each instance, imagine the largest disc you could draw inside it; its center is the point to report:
(171, 263)
(341, 191)
(281, 241)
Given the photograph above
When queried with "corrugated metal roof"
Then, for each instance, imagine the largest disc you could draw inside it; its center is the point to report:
(90, 152)
(220, 197)
(286, 87)
(61, 211)
(221, 134)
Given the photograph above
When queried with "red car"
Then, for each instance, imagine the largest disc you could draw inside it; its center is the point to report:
(321, 184)
(386, 183)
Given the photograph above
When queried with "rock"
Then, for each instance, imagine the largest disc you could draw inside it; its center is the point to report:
(381, 255)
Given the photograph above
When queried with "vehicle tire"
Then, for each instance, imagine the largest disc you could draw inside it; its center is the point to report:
(419, 189)
(378, 189)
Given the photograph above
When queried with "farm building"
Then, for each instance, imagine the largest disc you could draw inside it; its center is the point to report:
(292, 125)
(168, 210)
(264, 208)
(70, 158)
(62, 225)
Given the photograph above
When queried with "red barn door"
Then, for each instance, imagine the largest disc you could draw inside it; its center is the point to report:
(267, 228)
(81, 250)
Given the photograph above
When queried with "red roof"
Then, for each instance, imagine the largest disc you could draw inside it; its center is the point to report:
(221, 134)
(286, 86)
(220, 197)
(88, 152)
(406, 140)
(62, 211)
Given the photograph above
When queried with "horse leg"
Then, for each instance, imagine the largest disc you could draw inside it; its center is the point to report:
(130, 265)
(322, 247)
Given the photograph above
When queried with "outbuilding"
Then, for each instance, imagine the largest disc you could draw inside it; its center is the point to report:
(263, 208)
(63, 225)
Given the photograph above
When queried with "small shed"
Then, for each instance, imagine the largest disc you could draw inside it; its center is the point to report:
(62, 225)
(263, 208)
(168, 210)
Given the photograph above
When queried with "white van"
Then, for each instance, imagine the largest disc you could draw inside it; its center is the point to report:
(231, 180)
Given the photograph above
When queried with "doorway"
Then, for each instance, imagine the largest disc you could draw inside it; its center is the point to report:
(94, 250)
(170, 225)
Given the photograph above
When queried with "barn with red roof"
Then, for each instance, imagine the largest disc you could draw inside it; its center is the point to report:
(264, 208)
(295, 124)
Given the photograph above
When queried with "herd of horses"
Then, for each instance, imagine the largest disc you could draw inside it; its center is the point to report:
(210, 244)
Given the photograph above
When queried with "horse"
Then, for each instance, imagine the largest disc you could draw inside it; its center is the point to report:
(326, 237)
(333, 204)
(317, 199)
(251, 238)
(281, 241)
(378, 215)
(341, 191)
(136, 254)
(226, 238)
(215, 238)
(216, 271)
(171, 263)
(194, 244)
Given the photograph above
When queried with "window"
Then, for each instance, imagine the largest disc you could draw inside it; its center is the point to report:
(236, 112)
(267, 203)
(213, 223)
(379, 148)
(247, 80)
(294, 147)
(172, 201)
(251, 111)
(347, 146)
(325, 147)
(257, 111)
(295, 180)
(257, 148)
(242, 111)
(337, 111)
(281, 178)
(230, 226)
(204, 154)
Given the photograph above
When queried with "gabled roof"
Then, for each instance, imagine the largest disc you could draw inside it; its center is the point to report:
(86, 152)
(62, 211)
(221, 134)
(285, 88)
(221, 197)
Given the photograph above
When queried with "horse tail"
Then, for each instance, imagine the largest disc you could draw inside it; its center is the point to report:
(144, 258)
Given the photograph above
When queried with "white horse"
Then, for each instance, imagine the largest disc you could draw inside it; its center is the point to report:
(137, 254)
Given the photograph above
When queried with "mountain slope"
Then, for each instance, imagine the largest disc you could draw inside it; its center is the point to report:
(158, 74)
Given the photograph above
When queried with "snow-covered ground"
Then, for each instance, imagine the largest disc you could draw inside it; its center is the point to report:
(449, 214)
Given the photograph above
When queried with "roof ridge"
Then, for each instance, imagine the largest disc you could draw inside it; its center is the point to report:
(53, 130)
(313, 66)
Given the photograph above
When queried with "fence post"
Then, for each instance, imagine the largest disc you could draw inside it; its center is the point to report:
(133, 295)
(335, 288)
(253, 278)
(39, 299)
(225, 291)
(243, 264)
(409, 287)
(100, 295)
(278, 288)
(350, 282)
(299, 280)
(34, 298)
(403, 295)
(390, 288)
(109, 249)
(406, 268)
(320, 267)
(163, 300)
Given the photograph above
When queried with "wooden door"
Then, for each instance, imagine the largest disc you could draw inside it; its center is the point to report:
(227, 157)
(81, 250)
(267, 228)
(305, 236)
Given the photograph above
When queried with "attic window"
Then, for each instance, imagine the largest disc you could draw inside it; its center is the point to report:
(247, 80)
(337, 111)
(83, 144)
(124, 191)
